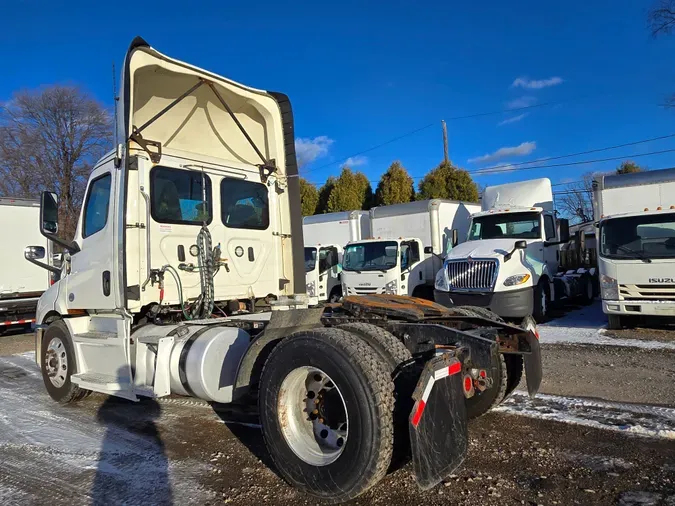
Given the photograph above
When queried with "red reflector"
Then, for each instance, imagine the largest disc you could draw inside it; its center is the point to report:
(482, 373)
(454, 368)
(467, 384)
(418, 413)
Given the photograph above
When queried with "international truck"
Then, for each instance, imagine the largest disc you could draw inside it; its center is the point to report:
(186, 277)
(325, 237)
(21, 283)
(406, 249)
(519, 257)
(635, 214)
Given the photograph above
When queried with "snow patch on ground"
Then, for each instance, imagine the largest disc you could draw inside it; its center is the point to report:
(638, 419)
(67, 454)
(587, 326)
(598, 462)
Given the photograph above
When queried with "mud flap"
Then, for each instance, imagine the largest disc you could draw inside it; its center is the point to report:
(532, 360)
(438, 421)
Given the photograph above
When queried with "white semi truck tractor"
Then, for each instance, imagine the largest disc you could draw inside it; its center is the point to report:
(407, 247)
(325, 237)
(186, 277)
(635, 214)
(519, 257)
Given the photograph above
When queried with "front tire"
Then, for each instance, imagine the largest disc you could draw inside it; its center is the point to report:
(354, 403)
(614, 322)
(542, 301)
(57, 362)
(587, 291)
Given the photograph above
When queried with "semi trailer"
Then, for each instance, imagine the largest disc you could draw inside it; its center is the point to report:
(407, 247)
(635, 214)
(519, 257)
(185, 277)
(325, 236)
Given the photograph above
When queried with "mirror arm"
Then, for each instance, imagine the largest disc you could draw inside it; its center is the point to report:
(50, 268)
(71, 246)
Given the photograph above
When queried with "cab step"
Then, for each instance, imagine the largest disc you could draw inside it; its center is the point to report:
(96, 334)
(104, 384)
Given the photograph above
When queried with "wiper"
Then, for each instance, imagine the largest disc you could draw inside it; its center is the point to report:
(636, 254)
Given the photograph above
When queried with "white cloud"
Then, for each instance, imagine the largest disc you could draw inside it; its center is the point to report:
(536, 84)
(512, 119)
(355, 161)
(307, 150)
(524, 148)
(520, 102)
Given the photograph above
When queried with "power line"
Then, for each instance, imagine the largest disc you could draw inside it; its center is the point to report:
(453, 118)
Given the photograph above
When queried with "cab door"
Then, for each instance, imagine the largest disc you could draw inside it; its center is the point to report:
(90, 282)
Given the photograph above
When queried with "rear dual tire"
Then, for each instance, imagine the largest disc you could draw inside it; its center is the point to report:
(362, 413)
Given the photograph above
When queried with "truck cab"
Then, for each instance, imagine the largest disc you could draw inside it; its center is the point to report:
(636, 252)
(384, 266)
(512, 260)
(323, 267)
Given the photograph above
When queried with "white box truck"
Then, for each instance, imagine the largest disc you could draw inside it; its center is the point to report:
(636, 253)
(339, 392)
(518, 257)
(406, 249)
(325, 236)
(21, 283)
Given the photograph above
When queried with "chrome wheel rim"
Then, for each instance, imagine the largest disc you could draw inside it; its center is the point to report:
(56, 362)
(313, 416)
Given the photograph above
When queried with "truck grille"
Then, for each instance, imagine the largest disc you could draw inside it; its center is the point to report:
(473, 275)
(647, 292)
(362, 290)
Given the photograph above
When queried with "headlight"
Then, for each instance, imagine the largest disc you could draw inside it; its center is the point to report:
(609, 288)
(441, 283)
(518, 279)
(310, 288)
(391, 287)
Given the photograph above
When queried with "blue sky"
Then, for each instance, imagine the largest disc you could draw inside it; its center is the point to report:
(360, 74)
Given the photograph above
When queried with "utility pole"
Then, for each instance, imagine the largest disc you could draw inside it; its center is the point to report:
(445, 142)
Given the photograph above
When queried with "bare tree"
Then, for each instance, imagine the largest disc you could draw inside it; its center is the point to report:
(575, 201)
(50, 139)
(661, 19)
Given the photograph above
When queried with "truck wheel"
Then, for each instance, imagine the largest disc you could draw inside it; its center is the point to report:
(326, 402)
(542, 301)
(614, 322)
(57, 362)
(335, 295)
(484, 312)
(386, 344)
(587, 290)
(482, 402)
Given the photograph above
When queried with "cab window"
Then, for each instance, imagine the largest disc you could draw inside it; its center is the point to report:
(244, 204)
(96, 206)
(177, 197)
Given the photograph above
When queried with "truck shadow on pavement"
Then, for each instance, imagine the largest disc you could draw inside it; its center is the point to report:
(133, 467)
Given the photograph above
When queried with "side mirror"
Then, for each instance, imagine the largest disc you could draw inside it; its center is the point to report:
(428, 250)
(49, 214)
(564, 227)
(455, 237)
(49, 221)
(35, 253)
(520, 245)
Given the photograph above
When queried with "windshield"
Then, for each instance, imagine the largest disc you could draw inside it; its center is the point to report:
(651, 236)
(310, 259)
(506, 226)
(370, 256)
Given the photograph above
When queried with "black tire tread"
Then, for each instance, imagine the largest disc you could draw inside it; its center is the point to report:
(483, 312)
(379, 380)
(382, 341)
(514, 366)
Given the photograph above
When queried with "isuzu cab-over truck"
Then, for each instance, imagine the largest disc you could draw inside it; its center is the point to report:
(196, 214)
(325, 237)
(636, 217)
(406, 249)
(519, 257)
